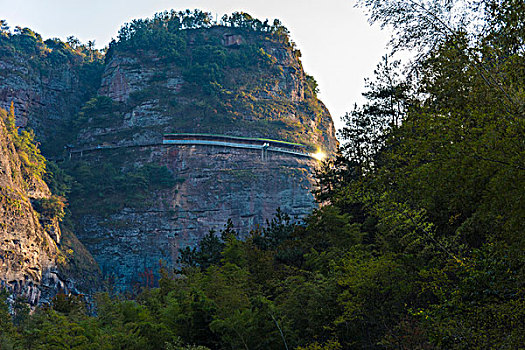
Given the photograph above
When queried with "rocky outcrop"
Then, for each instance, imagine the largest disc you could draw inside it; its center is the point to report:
(32, 254)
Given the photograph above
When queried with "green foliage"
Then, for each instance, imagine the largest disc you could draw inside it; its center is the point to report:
(428, 183)
(166, 29)
(206, 254)
(330, 345)
(33, 163)
(29, 152)
(211, 249)
(312, 84)
(279, 229)
(368, 127)
(69, 304)
(50, 208)
(50, 52)
(163, 32)
(96, 110)
(58, 181)
(8, 334)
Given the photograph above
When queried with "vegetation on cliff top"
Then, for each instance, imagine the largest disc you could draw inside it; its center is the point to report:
(166, 31)
(26, 41)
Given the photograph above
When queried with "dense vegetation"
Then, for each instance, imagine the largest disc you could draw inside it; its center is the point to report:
(419, 244)
(51, 51)
(108, 188)
(33, 163)
(166, 30)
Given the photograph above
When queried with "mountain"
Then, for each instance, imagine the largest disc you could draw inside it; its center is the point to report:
(236, 92)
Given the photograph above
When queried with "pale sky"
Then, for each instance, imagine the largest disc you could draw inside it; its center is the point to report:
(339, 48)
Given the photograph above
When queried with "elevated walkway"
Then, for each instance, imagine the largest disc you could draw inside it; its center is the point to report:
(265, 145)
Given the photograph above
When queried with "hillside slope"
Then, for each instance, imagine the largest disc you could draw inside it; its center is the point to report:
(37, 258)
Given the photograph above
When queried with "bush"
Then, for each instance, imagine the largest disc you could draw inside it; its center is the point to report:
(51, 208)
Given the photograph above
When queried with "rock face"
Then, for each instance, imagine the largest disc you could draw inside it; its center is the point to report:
(47, 82)
(215, 183)
(33, 258)
(263, 93)
(152, 96)
(218, 80)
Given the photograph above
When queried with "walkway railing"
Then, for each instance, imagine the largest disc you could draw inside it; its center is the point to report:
(262, 147)
(265, 145)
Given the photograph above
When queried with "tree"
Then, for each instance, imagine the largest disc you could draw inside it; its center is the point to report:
(4, 28)
(73, 42)
(8, 332)
(440, 178)
(91, 48)
(368, 127)
(207, 253)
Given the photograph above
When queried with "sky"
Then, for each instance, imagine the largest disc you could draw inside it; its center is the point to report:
(339, 48)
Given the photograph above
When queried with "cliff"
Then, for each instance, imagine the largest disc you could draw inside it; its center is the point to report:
(37, 260)
(48, 82)
(136, 201)
(254, 88)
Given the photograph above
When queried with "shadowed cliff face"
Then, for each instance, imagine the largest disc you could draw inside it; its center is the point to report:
(48, 82)
(34, 259)
(143, 95)
(214, 184)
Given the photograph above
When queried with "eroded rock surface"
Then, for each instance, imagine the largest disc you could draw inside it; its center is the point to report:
(214, 184)
(34, 261)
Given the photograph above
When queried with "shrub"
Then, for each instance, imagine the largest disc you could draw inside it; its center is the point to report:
(52, 207)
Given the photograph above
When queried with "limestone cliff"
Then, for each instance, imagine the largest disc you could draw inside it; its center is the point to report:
(35, 258)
